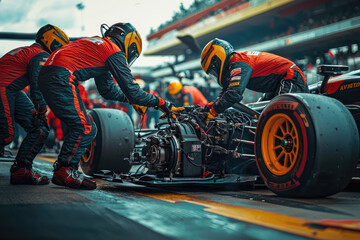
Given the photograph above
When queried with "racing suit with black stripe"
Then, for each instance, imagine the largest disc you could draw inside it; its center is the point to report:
(92, 57)
(18, 69)
(261, 72)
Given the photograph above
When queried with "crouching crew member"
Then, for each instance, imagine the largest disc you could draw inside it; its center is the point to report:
(101, 58)
(186, 95)
(18, 69)
(258, 71)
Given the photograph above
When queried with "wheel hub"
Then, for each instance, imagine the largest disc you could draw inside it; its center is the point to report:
(287, 143)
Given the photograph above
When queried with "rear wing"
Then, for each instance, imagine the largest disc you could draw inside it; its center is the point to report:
(330, 70)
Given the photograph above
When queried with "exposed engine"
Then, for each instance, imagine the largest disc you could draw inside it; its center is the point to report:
(185, 147)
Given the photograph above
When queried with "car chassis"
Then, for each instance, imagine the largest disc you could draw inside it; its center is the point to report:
(299, 145)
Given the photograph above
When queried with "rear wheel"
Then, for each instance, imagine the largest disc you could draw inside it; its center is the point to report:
(306, 145)
(113, 142)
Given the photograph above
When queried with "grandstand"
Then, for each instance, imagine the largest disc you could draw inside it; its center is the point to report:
(306, 31)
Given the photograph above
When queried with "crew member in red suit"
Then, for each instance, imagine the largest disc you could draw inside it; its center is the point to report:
(186, 95)
(90, 57)
(18, 69)
(258, 71)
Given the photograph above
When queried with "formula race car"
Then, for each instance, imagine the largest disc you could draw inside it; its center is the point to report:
(299, 145)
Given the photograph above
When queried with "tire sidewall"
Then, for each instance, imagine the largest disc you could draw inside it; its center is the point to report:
(297, 177)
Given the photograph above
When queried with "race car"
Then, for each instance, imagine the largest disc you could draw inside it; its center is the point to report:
(298, 145)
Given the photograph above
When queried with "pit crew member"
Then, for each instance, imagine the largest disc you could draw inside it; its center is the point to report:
(259, 71)
(18, 69)
(186, 95)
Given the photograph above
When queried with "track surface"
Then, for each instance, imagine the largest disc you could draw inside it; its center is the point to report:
(129, 211)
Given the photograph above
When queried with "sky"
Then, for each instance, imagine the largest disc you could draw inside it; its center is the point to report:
(29, 15)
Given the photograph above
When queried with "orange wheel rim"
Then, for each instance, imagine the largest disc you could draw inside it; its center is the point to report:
(280, 144)
(89, 151)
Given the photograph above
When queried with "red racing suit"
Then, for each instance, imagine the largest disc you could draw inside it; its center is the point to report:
(193, 96)
(261, 72)
(18, 69)
(91, 57)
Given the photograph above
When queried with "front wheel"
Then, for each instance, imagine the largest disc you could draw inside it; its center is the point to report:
(306, 145)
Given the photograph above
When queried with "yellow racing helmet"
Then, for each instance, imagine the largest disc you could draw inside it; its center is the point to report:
(215, 57)
(51, 38)
(175, 87)
(127, 39)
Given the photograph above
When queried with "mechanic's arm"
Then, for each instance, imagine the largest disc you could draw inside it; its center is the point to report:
(108, 89)
(118, 67)
(239, 79)
(34, 67)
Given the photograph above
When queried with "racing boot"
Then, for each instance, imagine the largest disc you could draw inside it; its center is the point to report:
(23, 174)
(70, 177)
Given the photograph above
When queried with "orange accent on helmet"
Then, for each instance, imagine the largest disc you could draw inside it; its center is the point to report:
(215, 57)
(127, 39)
(51, 38)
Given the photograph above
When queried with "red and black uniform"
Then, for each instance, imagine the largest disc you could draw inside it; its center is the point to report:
(92, 57)
(189, 95)
(18, 69)
(261, 72)
(193, 96)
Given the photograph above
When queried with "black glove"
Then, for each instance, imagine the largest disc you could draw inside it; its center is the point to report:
(165, 107)
(207, 107)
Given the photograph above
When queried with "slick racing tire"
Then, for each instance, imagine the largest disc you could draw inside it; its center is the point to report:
(114, 141)
(306, 145)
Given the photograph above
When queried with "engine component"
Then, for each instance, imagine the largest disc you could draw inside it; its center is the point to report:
(173, 151)
(187, 148)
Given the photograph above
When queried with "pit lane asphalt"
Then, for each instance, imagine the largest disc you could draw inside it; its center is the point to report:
(119, 211)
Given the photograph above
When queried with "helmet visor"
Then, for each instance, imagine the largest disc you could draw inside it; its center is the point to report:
(214, 67)
(133, 54)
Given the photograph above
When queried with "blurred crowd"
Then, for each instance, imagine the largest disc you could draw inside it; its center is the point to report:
(302, 21)
(195, 7)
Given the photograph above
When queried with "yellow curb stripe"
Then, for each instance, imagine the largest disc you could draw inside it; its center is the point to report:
(281, 222)
(46, 158)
